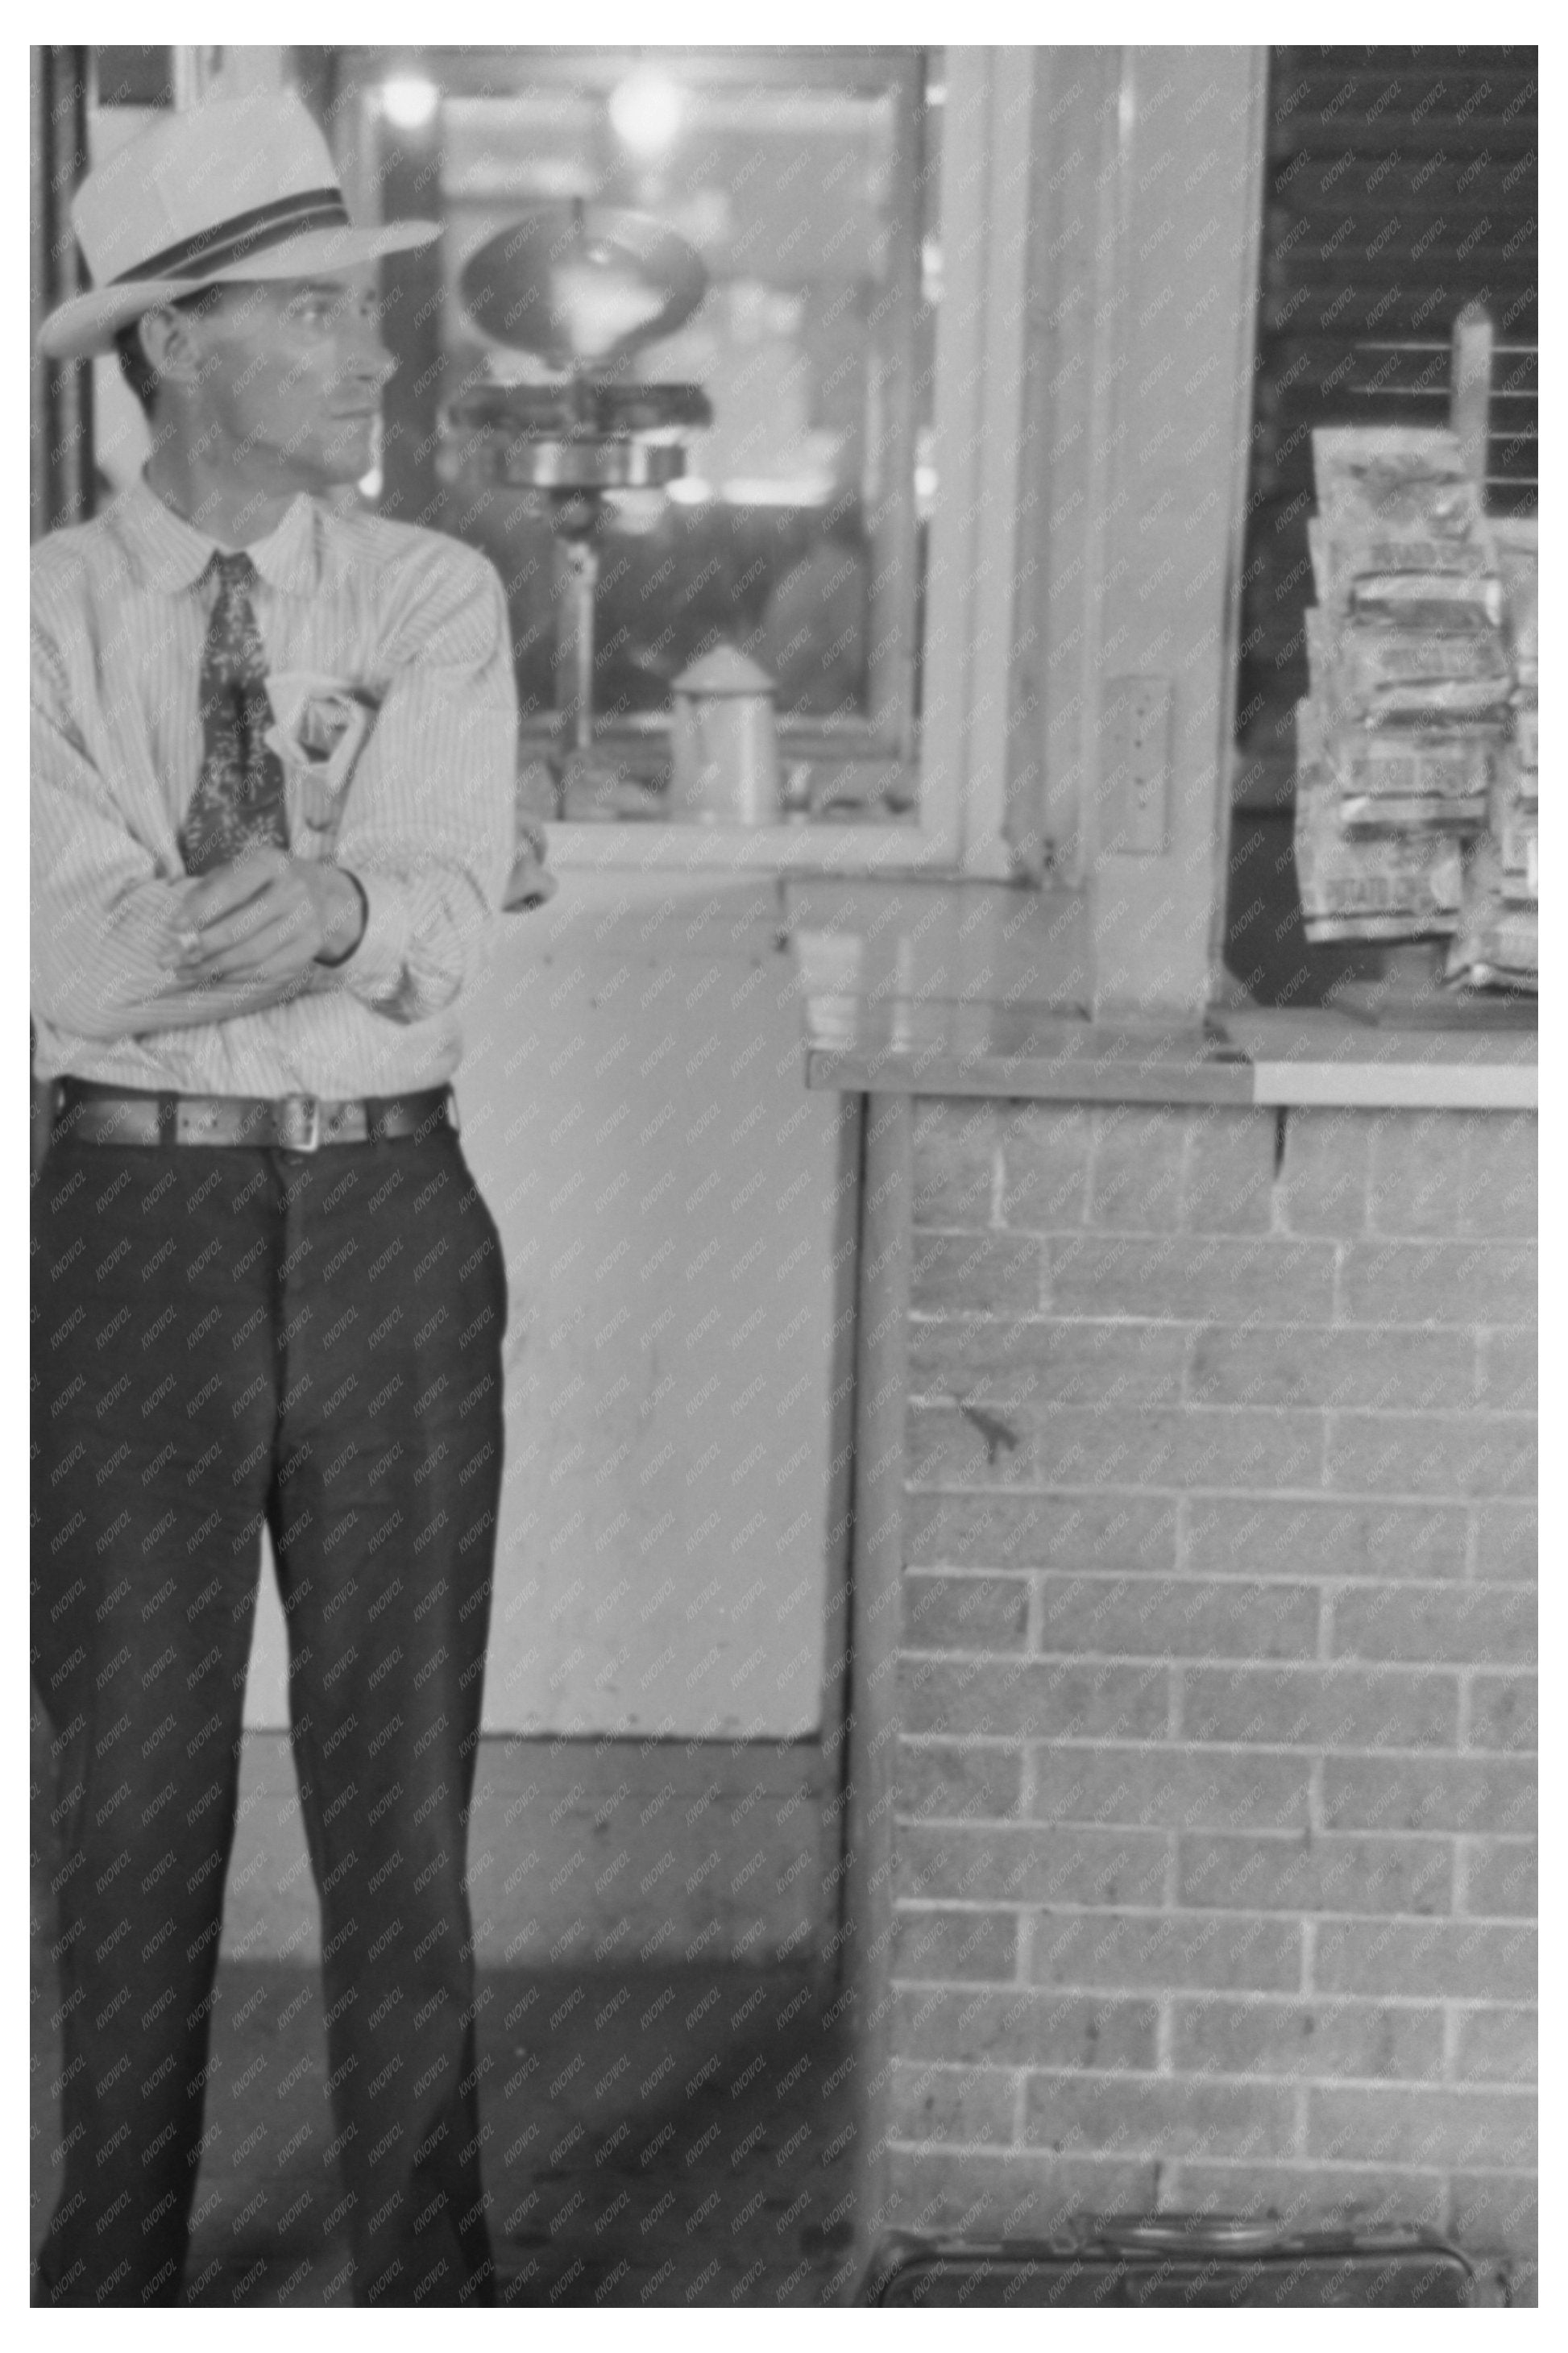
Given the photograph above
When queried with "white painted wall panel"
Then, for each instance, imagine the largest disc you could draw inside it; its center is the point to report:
(670, 1199)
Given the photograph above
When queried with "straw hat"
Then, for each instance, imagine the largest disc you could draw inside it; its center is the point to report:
(237, 189)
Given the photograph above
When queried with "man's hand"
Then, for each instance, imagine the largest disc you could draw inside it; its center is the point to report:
(265, 919)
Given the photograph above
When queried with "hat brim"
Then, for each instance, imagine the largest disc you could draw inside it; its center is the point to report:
(87, 324)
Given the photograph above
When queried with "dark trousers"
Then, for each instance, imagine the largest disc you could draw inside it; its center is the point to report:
(222, 1337)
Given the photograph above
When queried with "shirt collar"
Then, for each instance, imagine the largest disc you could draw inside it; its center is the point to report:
(173, 554)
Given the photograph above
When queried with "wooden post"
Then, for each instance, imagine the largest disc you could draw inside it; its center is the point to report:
(881, 1383)
(60, 397)
(1182, 261)
(62, 394)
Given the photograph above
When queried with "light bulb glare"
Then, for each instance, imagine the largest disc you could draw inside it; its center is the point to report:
(409, 100)
(646, 110)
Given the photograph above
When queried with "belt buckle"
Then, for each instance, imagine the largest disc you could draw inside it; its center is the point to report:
(299, 1122)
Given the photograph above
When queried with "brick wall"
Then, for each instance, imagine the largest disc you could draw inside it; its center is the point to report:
(1214, 1858)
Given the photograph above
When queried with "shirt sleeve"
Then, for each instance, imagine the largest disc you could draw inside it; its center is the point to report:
(101, 913)
(430, 815)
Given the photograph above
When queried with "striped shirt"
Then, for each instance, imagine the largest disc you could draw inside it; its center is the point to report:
(416, 623)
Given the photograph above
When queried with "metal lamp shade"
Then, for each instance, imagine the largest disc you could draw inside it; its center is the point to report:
(579, 287)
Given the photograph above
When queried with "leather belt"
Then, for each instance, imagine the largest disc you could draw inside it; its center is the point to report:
(91, 1113)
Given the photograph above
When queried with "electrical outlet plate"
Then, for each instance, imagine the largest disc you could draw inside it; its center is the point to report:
(1135, 765)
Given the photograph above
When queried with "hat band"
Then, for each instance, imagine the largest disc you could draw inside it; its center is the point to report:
(243, 234)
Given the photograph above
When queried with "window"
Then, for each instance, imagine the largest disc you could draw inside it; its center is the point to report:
(1400, 187)
(806, 181)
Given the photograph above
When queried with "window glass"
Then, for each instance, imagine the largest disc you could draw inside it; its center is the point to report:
(805, 180)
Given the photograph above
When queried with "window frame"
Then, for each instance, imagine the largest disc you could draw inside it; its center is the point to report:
(957, 758)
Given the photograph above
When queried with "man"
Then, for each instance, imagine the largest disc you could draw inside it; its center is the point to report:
(273, 777)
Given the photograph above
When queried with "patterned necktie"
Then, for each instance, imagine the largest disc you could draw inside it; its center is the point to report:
(237, 804)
